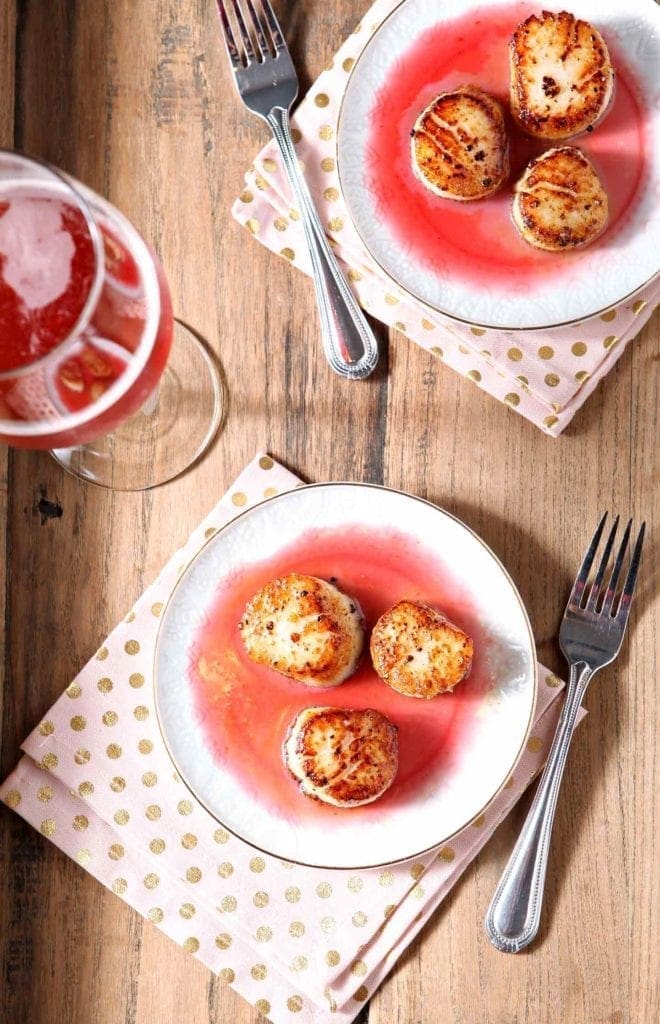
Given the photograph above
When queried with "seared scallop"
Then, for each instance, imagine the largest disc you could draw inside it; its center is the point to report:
(560, 203)
(305, 628)
(459, 145)
(418, 652)
(342, 756)
(562, 78)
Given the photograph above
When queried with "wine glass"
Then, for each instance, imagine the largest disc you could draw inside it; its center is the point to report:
(93, 365)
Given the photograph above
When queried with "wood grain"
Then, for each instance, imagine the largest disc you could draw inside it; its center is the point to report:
(7, 75)
(135, 99)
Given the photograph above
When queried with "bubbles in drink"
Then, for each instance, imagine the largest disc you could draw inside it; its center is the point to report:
(47, 268)
(37, 251)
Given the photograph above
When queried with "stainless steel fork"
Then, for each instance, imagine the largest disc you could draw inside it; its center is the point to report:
(268, 85)
(590, 637)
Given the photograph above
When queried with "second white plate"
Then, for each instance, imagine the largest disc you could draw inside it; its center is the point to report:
(487, 275)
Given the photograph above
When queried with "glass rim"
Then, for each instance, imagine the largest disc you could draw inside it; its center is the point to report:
(84, 317)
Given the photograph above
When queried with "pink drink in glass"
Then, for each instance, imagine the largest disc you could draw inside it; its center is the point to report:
(85, 314)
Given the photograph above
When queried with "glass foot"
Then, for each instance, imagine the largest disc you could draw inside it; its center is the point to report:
(168, 435)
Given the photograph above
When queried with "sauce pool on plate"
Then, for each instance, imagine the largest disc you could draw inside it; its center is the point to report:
(245, 709)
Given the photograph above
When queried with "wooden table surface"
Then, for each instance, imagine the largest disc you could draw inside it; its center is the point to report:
(134, 98)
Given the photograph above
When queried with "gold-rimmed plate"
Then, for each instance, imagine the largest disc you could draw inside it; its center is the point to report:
(224, 719)
(466, 260)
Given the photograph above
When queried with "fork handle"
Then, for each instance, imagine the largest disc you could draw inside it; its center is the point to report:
(513, 917)
(348, 341)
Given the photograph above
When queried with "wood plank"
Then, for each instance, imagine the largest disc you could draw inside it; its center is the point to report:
(638, 789)
(12, 949)
(7, 71)
(144, 111)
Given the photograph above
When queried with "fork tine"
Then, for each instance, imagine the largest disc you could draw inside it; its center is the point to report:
(616, 571)
(273, 25)
(230, 42)
(585, 568)
(594, 593)
(258, 30)
(245, 35)
(631, 578)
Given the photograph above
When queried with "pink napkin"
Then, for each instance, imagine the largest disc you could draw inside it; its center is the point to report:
(298, 943)
(545, 376)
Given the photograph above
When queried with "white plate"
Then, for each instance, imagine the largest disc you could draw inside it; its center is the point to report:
(498, 704)
(591, 281)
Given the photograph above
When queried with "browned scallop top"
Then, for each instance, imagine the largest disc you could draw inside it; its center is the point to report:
(561, 75)
(459, 145)
(305, 628)
(350, 755)
(560, 200)
(418, 652)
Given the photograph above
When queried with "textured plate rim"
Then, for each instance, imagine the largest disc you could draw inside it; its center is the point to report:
(437, 309)
(284, 495)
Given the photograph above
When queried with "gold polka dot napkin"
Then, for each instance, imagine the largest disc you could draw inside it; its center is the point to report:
(544, 375)
(298, 943)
